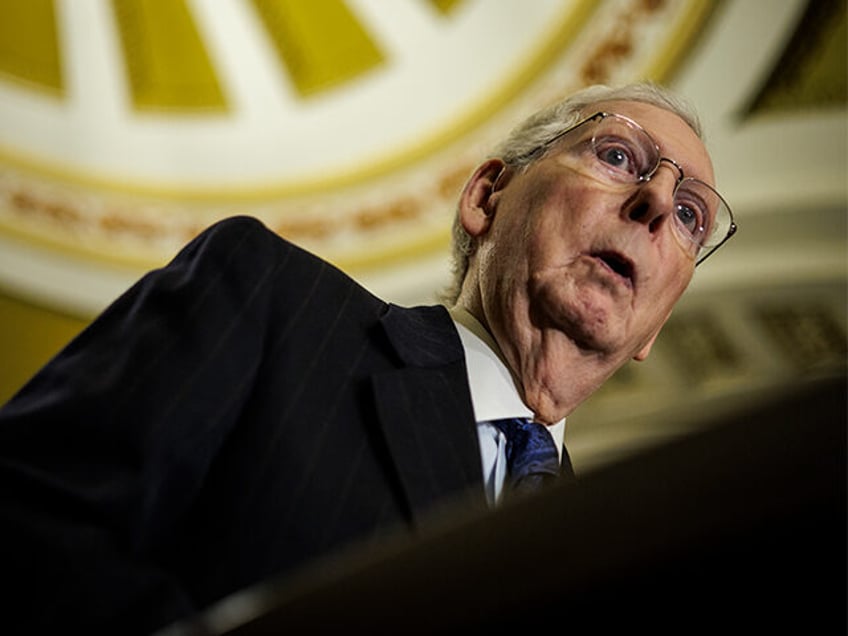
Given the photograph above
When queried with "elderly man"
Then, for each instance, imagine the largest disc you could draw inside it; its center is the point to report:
(248, 408)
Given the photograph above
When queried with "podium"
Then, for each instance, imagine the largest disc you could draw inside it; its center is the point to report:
(740, 528)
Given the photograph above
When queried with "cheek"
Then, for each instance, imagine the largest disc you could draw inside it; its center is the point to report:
(503, 260)
(673, 287)
(542, 225)
(576, 205)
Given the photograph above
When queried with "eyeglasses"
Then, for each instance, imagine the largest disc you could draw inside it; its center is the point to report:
(622, 152)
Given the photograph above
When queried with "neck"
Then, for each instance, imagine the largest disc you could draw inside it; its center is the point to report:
(553, 374)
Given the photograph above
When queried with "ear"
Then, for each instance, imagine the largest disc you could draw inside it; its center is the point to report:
(476, 204)
(642, 354)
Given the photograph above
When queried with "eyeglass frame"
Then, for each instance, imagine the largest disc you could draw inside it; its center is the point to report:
(525, 158)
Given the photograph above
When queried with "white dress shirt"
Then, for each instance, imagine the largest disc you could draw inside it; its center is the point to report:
(494, 396)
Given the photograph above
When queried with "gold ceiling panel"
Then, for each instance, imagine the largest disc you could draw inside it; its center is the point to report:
(321, 43)
(29, 45)
(167, 64)
(812, 72)
(29, 336)
(53, 198)
(445, 7)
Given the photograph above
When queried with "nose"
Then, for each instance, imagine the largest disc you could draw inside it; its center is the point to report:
(653, 201)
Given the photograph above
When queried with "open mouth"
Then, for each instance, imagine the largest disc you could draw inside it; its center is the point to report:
(619, 264)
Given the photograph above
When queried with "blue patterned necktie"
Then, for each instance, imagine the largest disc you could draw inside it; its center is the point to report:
(531, 455)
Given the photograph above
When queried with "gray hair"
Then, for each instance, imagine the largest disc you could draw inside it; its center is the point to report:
(537, 130)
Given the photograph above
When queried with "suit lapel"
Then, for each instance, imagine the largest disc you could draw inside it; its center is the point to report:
(566, 471)
(425, 411)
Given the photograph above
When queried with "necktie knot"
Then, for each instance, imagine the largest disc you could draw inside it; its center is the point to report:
(531, 455)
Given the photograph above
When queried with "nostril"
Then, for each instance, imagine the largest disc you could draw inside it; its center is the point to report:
(649, 206)
(645, 210)
(638, 211)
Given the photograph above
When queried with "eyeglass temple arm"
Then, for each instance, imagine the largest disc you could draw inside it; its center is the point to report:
(730, 232)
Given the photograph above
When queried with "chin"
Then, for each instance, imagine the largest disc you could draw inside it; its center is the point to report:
(594, 330)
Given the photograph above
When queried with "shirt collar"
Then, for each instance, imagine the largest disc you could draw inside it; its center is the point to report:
(494, 394)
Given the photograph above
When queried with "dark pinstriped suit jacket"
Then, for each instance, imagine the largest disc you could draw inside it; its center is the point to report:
(235, 414)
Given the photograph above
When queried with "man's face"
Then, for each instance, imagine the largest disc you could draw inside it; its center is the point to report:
(576, 276)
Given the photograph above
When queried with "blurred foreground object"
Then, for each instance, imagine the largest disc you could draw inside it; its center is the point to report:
(741, 527)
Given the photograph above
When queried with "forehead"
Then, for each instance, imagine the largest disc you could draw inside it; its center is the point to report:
(672, 134)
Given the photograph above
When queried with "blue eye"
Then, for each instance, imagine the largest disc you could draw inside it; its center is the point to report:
(618, 156)
(689, 218)
(692, 216)
(615, 157)
(625, 159)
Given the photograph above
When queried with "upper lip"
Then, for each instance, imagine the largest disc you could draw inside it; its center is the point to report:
(619, 263)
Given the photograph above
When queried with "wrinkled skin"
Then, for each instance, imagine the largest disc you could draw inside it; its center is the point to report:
(571, 276)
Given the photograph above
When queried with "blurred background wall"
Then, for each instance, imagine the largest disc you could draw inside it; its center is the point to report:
(349, 126)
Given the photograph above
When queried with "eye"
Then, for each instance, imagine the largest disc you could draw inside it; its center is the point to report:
(623, 157)
(688, 218)
(692, 215)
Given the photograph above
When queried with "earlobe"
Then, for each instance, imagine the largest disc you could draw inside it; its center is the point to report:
(476, 205)
(643, 353)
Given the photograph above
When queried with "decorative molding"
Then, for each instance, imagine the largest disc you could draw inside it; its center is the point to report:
(392, 207)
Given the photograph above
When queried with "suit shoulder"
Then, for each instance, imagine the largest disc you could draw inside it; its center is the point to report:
(233, 240)
(239, 228)
(246, 245)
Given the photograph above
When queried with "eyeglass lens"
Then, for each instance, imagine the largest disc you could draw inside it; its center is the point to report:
(628, 154)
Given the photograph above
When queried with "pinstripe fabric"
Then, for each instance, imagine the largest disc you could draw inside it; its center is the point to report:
(219, 425)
